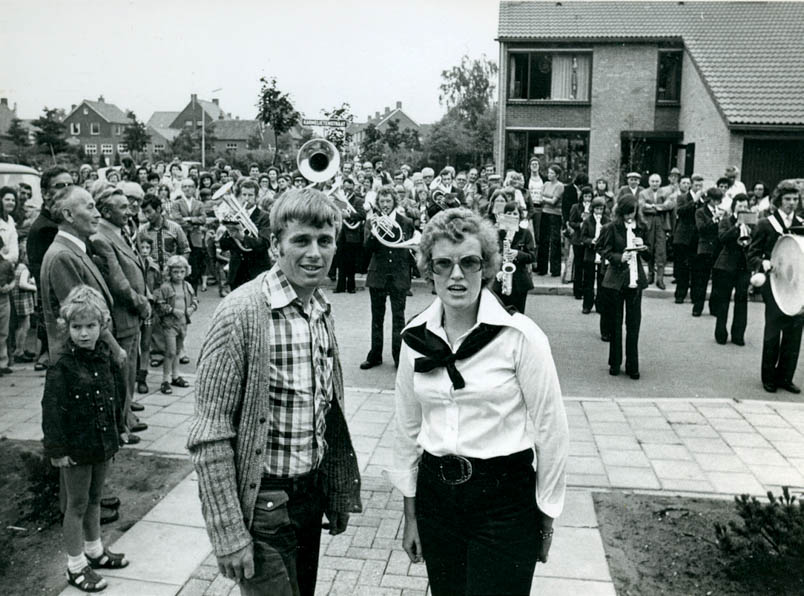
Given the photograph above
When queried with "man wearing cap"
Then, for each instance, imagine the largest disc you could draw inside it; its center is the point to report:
(656, 209)
(632, 187)
(134, 193)
(782, 335)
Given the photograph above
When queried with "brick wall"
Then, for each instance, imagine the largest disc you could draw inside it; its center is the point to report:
(548, 116)
(666, 118)
(623, 98)
(715, 146)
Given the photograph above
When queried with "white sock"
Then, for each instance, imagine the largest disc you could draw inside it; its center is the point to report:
(76, 564)
(94, 548)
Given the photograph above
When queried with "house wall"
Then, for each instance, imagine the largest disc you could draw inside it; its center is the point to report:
(548, 116)
(623, 98)
(192, 114)
(403, 120)
(715, 146)
(108, 131)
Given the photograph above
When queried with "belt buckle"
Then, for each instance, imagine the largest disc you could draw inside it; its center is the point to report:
(454, 463)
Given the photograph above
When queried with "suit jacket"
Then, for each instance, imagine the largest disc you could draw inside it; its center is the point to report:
(249, 258)
(570, 198)
(575, 220)
(525, 248)
(124, 275)
(356, 217)
(194, 229)
(611, 245)
(707, 232)
(685, 231)
(732, 255)
(625, 191)
(588, 236)
(40, 236)
(65, 266)
(389, 262)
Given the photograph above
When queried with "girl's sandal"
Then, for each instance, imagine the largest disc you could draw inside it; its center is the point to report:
(108, 560)
(86, 580)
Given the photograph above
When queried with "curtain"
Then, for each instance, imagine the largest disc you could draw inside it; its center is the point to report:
(561, 83)
(584, 66)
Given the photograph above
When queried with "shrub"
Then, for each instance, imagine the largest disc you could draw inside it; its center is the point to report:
(41, 504)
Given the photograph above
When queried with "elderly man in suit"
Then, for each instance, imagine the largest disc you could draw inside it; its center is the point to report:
(657, 207)
(248, 255)
(633, 187)
(188, 211)
(122, 269)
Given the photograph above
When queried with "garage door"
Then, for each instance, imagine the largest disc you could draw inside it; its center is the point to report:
(772, 161)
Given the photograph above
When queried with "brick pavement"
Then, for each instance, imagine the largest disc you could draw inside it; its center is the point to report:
(711, 447)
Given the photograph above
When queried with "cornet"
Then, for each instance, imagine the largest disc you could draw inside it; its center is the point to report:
(230, 211)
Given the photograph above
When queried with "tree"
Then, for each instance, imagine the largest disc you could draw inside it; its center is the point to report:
(135, 135)
(17, 134)
(448, 139)
(469, 88)
(275, 109)
(373, 145)
(338, 136)
(51, 132)
(255, 140)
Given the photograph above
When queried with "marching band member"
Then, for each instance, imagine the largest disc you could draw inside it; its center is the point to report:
(782, 335)
(594, 267)
(579, 213)
(522, 250)
(350, 240)
(707, 219)
(248, 255)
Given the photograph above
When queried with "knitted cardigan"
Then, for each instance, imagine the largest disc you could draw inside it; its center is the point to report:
(229, 431)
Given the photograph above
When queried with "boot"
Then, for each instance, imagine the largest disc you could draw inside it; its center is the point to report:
(660, 279)
(142, 387)
(651, 276)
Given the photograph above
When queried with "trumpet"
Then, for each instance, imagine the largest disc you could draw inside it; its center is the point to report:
(744, 220)
(230, 211)
(744, 239)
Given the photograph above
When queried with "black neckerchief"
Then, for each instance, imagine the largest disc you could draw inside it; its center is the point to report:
(437, 352)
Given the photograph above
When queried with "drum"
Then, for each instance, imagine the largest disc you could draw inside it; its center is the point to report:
(787, 275)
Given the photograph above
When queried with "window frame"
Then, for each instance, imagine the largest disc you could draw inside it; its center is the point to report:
(75, 128)
(91, 149)
(158, 147)
(550, 51)
(122, 148)
(551, 133)
(666, 51)
(231, 146)
(105, 146)
(94, 128)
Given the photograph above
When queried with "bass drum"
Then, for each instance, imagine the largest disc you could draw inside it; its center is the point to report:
(787, 275)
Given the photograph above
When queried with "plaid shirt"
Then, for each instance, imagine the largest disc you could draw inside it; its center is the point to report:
(300, 378)
(173, 240)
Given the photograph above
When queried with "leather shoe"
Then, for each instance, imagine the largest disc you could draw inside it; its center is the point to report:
(660, 284)
(131, 439)
(696, 313)
(139, 427)
(586, 311)
(107, 518)
(614, 371)
(367, 364)
(605, 338)
(738, 342)
(338, 291)
(721, 340)
(769, 387)
(184, 360)
(136, 407)
(142, 387)
(791, 387)
(634, 375)
(679, 301)
(110, 502)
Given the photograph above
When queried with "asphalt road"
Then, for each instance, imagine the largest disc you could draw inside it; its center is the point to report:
(678, 353)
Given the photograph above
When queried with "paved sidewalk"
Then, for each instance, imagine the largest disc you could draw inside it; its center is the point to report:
(672, 446)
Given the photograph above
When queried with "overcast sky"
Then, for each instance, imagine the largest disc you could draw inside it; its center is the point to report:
(149, 55)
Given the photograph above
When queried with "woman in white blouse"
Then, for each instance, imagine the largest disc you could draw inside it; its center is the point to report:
(478, 407)
(9, 245)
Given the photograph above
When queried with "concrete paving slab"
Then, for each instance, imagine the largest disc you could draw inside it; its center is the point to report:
(585, 465)
(579, 510)
(752, 439)
(649, 423)
(588, 480)
(772, 420)
(629, 458)
(610, 428)
(650, 435)
(172, 442)
(760, 456)
(707, 445)
(782, 475)
(699, 431)
(118, 586)
(23, 431)
(663, 451)
(719, 411)
(576, 553)
(586, 448)
(680, 485)
(161, 418)
(789, 448)
(677, 469)
(626, 441)
(557, 586)
(180, 506)
(720, 462)
(730, 425)
(684, 417)
(165, 553)
(773, 433)
(735, 484)
(627, 477)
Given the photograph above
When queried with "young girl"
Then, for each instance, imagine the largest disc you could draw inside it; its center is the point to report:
(175, 302)
(82, 421)
(23, 295)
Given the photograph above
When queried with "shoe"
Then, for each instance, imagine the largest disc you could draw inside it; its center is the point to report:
(555, 274)
(409, 293)
(203, 288)
(40, 366)
(137, 407)
(605, 338)
(738, 342)
(790, 387)
(108, 560)
(156, 361)
(223, 292)
(87, 580)
(24, 359)
(142, 387)
(634, 375)
(614, 371)
(586, 311)
(679, 301)
(541, 273)
(165, 388)
(696, 313)
(184, 360)
(107, 518)
(660, 284)
(367, 364)
(769, 387)
(139, 427)
(110, 502)
(353, 291)
(337, 291)
(721, 340)
(179, 382)
(651, 278)
(131, 439)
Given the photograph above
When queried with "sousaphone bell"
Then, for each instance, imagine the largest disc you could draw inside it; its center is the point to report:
(318, 160)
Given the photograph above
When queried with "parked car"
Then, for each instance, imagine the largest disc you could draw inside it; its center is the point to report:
(12, 174)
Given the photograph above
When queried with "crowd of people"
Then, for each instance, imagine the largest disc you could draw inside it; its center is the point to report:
(111, 266)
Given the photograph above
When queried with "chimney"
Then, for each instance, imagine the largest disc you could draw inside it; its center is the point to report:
(399, 105)
(377, 115)
(368, 118)
(216, 101)
(72, 107)
(193, 97)
(100, 99)
(387, 110)
(4, 101)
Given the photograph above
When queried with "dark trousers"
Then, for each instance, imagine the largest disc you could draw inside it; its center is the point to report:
(781, 342)
(347, 266)
(631, 300)
(682, 265)
(701, 270)
(287, 537)
(479, 537)
(197, 260)
(578, 270)
(549, 244)
(516, 299)
(723, 283)
(398, 298)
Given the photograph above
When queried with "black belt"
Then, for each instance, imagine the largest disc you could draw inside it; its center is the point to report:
(295, 484)
(457, 469)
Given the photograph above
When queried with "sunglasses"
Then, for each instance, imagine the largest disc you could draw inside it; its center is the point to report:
(468, 264)
(60, 185)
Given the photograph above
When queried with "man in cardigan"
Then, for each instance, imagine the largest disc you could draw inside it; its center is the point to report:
(269, 439)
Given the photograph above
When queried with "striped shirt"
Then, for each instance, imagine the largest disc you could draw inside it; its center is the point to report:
(299, 376)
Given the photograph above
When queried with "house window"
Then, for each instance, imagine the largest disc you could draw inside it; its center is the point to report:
(122, 148)
(75, 128)
(231, 146)
(558, 76)
(119, 129)
(570, 150)
(94, 128)
(107, 148)
(90, 149)
(668, 79)
(158, 148)
(188, 123)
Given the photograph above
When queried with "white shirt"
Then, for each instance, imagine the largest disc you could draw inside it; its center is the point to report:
(74, 239)
(511, 402)
(8, 233)
(535, 186)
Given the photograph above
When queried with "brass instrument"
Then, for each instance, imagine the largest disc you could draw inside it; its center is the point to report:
(318, 160)
(509, 223)
(230, 211)
(344, 205)
(388, 232)
(744, 220)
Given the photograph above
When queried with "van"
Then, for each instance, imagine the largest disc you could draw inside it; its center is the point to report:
(12, 174)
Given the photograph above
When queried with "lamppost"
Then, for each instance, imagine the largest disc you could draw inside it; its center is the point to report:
(203, 131)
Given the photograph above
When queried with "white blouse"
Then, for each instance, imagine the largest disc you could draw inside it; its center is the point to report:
(511, 402)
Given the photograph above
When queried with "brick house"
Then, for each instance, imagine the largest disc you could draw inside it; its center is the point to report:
(161, 135)
(381, 122)
(605, 87)
(98, 127)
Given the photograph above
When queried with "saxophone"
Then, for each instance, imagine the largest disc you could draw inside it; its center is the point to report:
(506, 274)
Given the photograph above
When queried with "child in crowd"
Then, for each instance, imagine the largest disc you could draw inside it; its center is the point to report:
(24, 297)
(153, 279)
(175, 302)
(7, 284)
(82, 421)
(221, 257)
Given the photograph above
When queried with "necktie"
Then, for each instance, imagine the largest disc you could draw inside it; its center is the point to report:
(160, 249)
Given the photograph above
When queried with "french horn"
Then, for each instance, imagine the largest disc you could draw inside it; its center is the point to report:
(389, 233)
